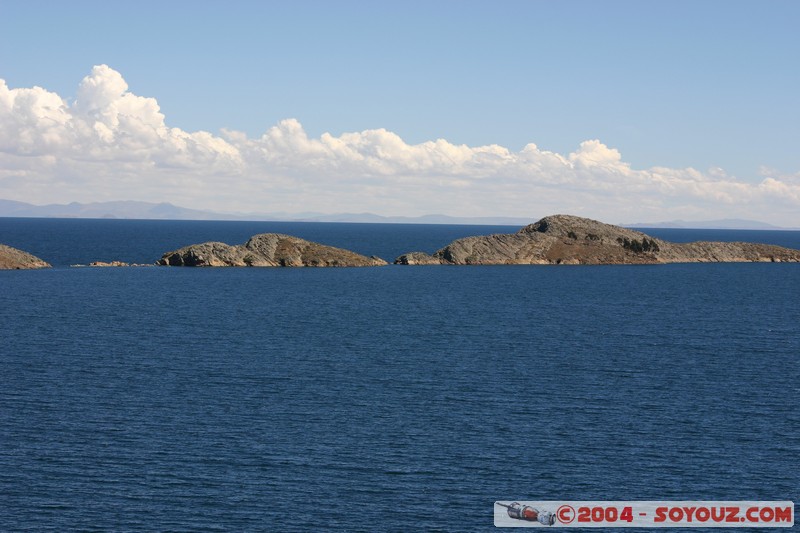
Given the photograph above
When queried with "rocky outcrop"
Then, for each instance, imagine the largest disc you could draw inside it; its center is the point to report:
(114, 264)
(267, 250)
(565, 239)
(13, 259)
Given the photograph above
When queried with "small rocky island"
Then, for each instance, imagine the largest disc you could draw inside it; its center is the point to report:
(13, 259)
(112, 264)
(267, 250)
(566, 239)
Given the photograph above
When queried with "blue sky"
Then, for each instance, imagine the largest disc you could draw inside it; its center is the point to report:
(703, 84)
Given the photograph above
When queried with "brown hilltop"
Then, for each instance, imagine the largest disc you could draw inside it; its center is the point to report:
(267, 250)
(567, 239)
(13, 259)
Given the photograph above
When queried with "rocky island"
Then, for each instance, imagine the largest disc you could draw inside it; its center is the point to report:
(566, 239)
(267, 250)
(13, 259)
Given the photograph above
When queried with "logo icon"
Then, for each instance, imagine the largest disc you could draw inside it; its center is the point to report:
(529, 514)
(565, 514)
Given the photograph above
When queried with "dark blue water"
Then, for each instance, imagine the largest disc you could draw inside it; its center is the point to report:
(381, 399)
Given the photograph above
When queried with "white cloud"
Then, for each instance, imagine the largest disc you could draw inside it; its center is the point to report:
(112, 144)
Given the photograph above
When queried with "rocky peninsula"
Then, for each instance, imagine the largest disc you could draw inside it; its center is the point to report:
(566, 239)
(13, 259)
(267, 250)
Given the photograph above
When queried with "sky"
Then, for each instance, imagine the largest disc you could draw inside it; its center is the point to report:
(624, 111)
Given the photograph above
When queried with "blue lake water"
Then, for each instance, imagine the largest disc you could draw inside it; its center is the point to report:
(381, 399)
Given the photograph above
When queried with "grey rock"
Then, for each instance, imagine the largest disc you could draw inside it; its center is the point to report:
(418, 258)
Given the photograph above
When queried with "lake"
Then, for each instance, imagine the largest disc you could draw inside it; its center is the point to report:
(381, 399)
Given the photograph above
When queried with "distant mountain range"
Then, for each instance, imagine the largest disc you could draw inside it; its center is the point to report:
(726, 223)
(167, 211)
(123, 209)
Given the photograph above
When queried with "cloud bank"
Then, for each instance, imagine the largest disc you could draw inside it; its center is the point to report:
(108, 144)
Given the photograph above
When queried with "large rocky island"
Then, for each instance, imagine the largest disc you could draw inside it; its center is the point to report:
(13, 259)
(267, 250)
(566, 239)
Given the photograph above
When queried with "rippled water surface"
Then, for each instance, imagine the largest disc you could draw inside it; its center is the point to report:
(393, 398)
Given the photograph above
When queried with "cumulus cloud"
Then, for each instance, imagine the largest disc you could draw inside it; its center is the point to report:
(109, 143)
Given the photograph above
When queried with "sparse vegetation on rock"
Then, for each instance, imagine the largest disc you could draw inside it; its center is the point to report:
(636, 246)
